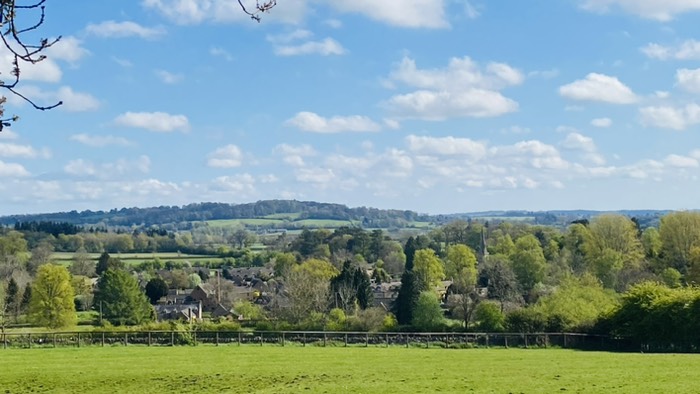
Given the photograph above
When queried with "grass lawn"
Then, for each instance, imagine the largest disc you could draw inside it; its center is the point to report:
(251, 369)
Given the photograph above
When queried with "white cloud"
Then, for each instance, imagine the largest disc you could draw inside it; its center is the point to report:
(676, 118)
(244, 183)
(21, 151)
(447, 146)
(661, 10)
(228, 156)
(7, 134)
(298, 34)
(168, 77)
(437, 106)
(318, 176)
(108, 170)
(72, 101)
(599, 87)
(99, 141)
(46, 70)
(309, 121)
(324, 47)
(667, 117)
(688, 50)
(688, 80)
(154, 121)
(460, 73)
(407, 13)
(585, 145)
(297, 150)
(462, 89)
(681, 161)
(68, 49)
(113, 29)
(12, 170)
(601, 122)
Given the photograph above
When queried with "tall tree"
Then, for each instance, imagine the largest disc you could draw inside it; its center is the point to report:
(121, 300)
(52, 295)
(155, 289)
(407, 298)
(679, 232)
(528, 262)
(428, 269)
(460, 266)
(12, 299)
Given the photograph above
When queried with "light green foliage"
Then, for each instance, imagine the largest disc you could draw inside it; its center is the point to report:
(503, 245)
(336, 320)
(428, 269)
(489, 317)
(651, 242)
(671, 277)
(460, 265)
(193, 280)
(575, 240)
(272, 370)
(121, 299)
(248, 310)
(577, 304)
(51, 303)
(12, 244)
(427, 314)
(528, 262)
(679, 232)
(617, 233)
(606, 266)
(318, 269)
(283, 263)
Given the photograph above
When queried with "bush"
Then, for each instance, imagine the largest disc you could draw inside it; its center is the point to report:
(427, 315)
(489, 317)
(526, 320)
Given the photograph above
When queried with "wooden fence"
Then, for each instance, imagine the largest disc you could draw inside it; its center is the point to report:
(313, 338)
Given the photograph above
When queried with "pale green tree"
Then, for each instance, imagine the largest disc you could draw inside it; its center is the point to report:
(528, 262)
(679, 232)
(52, 303)
(428, 269)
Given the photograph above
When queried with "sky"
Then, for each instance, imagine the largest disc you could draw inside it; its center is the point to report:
(437, 106)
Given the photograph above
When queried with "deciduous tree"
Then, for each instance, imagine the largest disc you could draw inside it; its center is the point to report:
(52, 303)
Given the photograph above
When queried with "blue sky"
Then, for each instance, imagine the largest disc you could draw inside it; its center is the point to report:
(438, 106)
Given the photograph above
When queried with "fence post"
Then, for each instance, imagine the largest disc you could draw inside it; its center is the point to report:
(172, 338)
(103, 339)
(346, 339)
(324, 339)
(54, 340)
(30, 341)
(525, 335)
(407, 341)
(386, 336)
(565, 340)
(78, 339)
(149, 338)
(194, 337)
(261, 338)
(4, 341)
(126, 339)
(487, 340)
(217, 338)
(546, 340)
(304, 340)
(427, 343)
(366, 339)
(239, 338)
(505, 337)
(283, 334)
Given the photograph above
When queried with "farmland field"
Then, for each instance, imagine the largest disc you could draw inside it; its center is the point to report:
(138, 258)
(249, 369)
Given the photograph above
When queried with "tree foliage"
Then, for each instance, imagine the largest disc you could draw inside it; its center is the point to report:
(428, 269)
(121, 300)
(52, 296)
(156, 288)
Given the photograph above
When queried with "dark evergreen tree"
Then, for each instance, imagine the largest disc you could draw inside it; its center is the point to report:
(121, 299)
(106, 262)
(26, 298)
(155, 289)
(410, 251)
(361, 281)
(12, 293)
(407, 298)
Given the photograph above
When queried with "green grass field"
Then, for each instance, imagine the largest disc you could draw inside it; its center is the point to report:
(249, 369)
(138, 258)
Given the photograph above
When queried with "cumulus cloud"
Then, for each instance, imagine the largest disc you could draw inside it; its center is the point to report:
(679, 161)
(7, 134)
(661, 10)
(688, 80)
(22, 151)
(228, 156)
(599, 87)
(688, 50)
(100, 141)
(585, 145)
(294, 154)
(72, 101)
(668, 117)
(154, 121)
(244, 183)
(68, 49)
(108, 170)
(309, 121)
(114, 29)
(446, 146)
(462, 89)
(12, 170)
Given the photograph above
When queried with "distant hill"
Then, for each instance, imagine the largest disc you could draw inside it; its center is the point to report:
(200, 212)
(302, 211)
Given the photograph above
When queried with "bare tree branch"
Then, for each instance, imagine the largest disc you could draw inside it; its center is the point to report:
(11, 36)
(260, 8)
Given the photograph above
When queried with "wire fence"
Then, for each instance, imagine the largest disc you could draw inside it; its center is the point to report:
(315, 338)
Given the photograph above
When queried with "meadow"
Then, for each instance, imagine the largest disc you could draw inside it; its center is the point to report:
(250, 369)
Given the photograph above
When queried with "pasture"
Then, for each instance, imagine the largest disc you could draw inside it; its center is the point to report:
(138, 258)
(251, 369)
